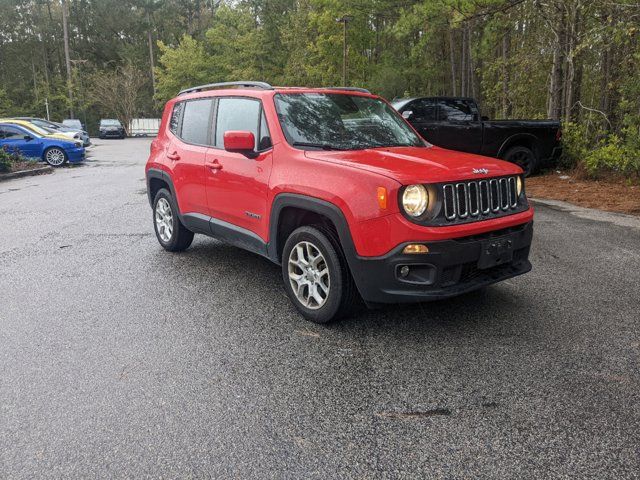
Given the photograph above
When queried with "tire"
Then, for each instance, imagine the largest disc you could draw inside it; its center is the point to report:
(524, 158)
(335, 290)
(170, 232)
(54, 156)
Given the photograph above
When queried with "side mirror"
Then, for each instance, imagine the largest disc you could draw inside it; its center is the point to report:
(28, 138)
(239, 141)
(407, 114)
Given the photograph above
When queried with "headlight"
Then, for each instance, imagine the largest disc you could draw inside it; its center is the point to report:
(519, 185)
(415, 200)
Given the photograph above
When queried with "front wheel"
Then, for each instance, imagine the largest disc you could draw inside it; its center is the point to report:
(524, 158)
(55, 156)
(316, 275)
(171, 233)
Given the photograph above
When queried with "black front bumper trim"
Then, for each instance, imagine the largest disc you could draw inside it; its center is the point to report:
(450, 268)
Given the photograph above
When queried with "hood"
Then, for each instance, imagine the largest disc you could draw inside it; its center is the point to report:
(59, 136)
(410, 165)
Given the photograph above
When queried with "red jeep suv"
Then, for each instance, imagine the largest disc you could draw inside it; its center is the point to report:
(337, 188)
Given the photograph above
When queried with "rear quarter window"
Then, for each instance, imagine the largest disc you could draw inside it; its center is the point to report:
(176, 115)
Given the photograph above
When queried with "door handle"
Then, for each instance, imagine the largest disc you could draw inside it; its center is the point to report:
(173, 156)
(215, 166)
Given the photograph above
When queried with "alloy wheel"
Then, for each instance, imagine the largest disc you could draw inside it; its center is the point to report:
(54, 157)
(309, 275)
(164, 219)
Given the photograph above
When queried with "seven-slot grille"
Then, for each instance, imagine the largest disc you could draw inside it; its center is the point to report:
(479, 198)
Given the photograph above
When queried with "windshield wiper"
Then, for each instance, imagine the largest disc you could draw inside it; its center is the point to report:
(321, 146)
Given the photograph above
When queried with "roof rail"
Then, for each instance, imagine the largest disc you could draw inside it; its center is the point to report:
(349, 89)
(210, 86)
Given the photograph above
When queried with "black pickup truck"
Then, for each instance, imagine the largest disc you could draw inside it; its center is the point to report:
(455, 123)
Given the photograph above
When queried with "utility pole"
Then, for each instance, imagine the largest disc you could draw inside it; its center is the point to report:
(65, 32)
(151, 63)
(344, 20)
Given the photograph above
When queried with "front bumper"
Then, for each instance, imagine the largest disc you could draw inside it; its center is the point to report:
(451, 267)
(111, 134)
(75, 155)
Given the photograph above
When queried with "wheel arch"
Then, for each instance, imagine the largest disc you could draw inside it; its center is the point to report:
(48, 146)
(289, 211)
(157, 179)
(527, 140)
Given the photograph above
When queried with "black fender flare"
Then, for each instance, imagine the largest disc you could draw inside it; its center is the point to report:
(156, 173)
(514, 139)
(315, 205)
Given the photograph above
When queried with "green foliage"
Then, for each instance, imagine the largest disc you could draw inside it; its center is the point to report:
(6, 106)
(614, 156)
(5, 161)
(503, 52)
(597, 152)
(8, 159)
(575, 143)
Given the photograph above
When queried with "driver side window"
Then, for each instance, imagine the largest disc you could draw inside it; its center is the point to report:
(11, 133)
(236, 113)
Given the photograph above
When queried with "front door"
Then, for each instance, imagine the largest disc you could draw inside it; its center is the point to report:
(237, 184)
(15, 138)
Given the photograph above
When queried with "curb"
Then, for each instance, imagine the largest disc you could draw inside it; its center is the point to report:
(616, 218)
(25, 173)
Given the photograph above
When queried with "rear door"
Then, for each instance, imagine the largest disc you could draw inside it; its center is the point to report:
(190, 125)
(422, 114)
(237, 184)
(460, 125)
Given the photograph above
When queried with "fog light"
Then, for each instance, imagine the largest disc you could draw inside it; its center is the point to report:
(414, 248)
(404, 271)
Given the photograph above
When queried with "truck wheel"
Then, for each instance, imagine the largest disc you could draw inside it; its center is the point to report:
(523, 157)
(171, 233)
(316, 275)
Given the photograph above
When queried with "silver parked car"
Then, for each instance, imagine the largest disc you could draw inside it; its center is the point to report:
(55, 127)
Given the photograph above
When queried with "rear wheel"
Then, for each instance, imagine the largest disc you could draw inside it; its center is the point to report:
(171, 233)
(523, 157)
(55, 156)
(316, 275)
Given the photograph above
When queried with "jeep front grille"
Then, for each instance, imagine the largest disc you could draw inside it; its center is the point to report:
(479, 199)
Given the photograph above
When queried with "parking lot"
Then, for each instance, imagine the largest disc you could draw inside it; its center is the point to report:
(120, 359)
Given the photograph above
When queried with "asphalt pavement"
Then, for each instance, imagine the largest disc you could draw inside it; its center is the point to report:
(118, 359)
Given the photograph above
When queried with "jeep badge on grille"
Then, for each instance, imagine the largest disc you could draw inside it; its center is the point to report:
(481, 170)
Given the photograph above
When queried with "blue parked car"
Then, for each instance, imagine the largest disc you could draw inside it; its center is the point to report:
(33, 142)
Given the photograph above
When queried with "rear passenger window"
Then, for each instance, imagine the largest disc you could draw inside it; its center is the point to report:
(237, 114)
(174, 122)
(195, 121)
(455, 110)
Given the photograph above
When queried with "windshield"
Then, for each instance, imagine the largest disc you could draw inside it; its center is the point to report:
(110, 123)
(334, 121)
(72, 123)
